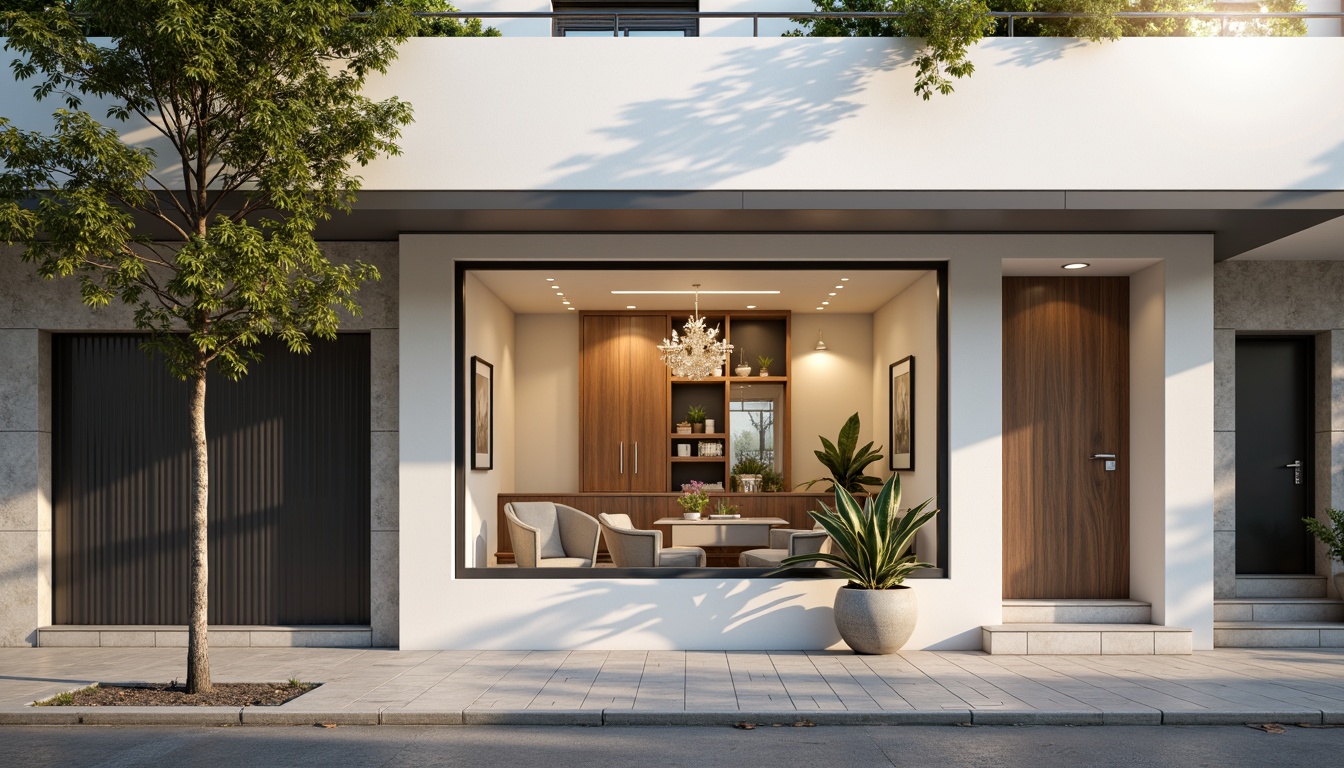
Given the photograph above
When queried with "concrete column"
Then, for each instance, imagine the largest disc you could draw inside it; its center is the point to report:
(1329, 441)
(1225, 463)
(384, 561)
(25, 485)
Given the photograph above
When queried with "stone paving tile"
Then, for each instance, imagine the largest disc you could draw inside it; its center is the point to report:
(617, 681)
(568, 688)
(518, 687)
(663, 684)
(709, 682)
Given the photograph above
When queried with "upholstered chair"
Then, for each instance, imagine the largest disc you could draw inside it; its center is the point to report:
(631, 547)
(786, 542)
(549, 535)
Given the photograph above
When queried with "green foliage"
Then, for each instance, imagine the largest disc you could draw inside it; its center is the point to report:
(437, 27)
(948, 27)
(765, 361)
(694, 497)
(1102, 25)
(294, 681)
(871, 541)
(846, 464)
(750, 465)
(1332, 536)
(696, 414)
(259, 103)
(771, 481)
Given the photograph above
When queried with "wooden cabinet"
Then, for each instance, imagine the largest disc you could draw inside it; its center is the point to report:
(622, 404)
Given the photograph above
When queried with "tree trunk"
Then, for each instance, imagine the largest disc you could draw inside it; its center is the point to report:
(198, 659)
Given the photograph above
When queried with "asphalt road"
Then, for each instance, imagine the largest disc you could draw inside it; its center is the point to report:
(674, 747)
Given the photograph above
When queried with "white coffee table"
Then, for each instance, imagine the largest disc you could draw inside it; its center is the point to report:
(733, 532)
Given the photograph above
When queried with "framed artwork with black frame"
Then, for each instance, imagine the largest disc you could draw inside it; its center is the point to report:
(902, 432)
(482, 414)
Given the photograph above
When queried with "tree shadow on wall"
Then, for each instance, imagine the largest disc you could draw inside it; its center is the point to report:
(754, 108)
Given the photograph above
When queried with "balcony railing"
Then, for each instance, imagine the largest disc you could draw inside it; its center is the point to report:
(1010, 17)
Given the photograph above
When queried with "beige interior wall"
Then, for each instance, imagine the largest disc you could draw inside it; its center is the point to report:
(490, 336)
(827, 386)
(547, 403)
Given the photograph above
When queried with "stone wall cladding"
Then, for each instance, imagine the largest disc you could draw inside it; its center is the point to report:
(31, 308)
(1290, 297)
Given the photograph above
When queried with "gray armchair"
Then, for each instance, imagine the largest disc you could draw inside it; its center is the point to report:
(548, 535)
(631, 547)
(786, 542)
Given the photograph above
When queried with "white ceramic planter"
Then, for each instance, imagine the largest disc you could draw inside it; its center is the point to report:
(876, 620)
(690, 515)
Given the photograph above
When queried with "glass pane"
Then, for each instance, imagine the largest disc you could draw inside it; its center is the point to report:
(752, 413)
(587, 33)
(655, 33)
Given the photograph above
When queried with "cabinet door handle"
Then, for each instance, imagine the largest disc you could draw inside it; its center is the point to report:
(622, 458)
(636, 457)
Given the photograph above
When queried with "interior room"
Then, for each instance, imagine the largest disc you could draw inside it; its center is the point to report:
(573, 399)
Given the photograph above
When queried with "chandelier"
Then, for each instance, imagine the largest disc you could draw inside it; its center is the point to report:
(696, 353)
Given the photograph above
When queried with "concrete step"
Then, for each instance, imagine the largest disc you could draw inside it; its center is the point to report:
(1047, 639)
(1278, 609)
(221, 636)
(1278, 634)
(1274, 585)
(1076, 612)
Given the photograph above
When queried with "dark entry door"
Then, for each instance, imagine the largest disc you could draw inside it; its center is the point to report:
(1275, 410)
(1066, 401)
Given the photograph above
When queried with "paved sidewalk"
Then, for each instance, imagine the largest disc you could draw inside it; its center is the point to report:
(700, 687)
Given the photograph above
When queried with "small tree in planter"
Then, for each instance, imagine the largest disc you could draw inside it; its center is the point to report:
(875, 612)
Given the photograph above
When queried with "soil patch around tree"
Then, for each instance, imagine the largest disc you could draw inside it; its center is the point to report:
(175, 695)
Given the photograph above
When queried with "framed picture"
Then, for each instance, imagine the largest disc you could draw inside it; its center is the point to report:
(482, 414)
(903, 414)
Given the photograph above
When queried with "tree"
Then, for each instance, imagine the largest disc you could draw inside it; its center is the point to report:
(259, 116)
(950, 27)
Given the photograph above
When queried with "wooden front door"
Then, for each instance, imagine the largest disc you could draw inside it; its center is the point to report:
(1275, 450)
(1065, 401)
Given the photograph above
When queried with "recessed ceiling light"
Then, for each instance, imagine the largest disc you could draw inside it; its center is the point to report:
(844, 279)
(1077, 265)
(564, 302)
(550, 279)
(825, 303)
(832, 293)
(688, 293)
(629, 306)
(562, 293)
(751, 306)
(571, 309)
(839, 287)
(820, 308)
(555, 287)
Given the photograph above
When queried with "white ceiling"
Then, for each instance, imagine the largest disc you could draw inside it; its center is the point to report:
(528, 291)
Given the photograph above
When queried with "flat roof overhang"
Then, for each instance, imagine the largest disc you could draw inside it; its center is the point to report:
(1239, 221)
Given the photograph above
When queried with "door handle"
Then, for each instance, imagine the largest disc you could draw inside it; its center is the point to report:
(622, 459)
(636, 457)
(1296, 466)
(1110, 460)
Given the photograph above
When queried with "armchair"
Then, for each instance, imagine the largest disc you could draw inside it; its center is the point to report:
(631, 547)
(549, 535)
(786, 542)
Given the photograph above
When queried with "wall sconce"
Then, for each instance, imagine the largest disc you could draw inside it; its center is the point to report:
(821, 345)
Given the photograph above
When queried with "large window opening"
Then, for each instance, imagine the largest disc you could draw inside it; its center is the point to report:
(585, 416)
(595, 18)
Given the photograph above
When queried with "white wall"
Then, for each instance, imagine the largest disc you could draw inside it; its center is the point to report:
(490, 336)
(827, 387)
(908, 325)
(839, 114)
(547, 375)
(440, 611)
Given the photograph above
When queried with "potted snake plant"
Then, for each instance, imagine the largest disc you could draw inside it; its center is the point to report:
(875, 612)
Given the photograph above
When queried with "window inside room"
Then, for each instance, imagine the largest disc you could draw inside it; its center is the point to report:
(586, 414)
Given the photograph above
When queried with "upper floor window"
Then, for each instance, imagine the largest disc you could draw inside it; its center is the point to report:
(604, 24)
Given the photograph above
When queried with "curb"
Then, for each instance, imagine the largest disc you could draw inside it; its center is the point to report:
(272, 716)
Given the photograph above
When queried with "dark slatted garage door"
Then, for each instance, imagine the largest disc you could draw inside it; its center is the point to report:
(289, 486)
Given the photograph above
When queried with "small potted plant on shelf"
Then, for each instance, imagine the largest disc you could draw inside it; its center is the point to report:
(765, 362)
(1332, 536)
(726, 511)
(696, 415)
(748, 472)
(683, 428)
(742, 368)
(693, 500)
